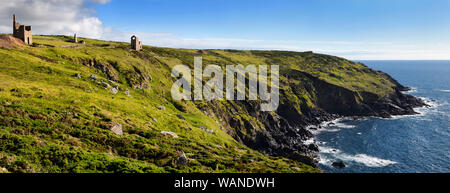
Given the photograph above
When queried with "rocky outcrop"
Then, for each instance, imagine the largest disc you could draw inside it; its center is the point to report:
(104, 66)
(136, 78)
(182, 159)
(338, 164)
(169, 133)
(344, 102)
(117, 129)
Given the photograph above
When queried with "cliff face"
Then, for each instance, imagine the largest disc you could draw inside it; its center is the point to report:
(283, 133)
(102, 107)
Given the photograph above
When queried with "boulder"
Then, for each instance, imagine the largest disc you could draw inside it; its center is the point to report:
(93, 77)
(297, 169)
(114, 90)
(77, 76)
(114, 83)
(313, 147)
(206, 129)
(162, 108)
(127, 92)
(181, 117)
(106, 84)
(169, 133)
(3, 170)
(117, 129)
(339, 164)
(182, 159)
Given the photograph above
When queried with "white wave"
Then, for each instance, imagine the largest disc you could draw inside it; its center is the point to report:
(325, 161)
(444, 90)
(309, 141)
(430, 102)
(330, 126)
(412, 90)
(431, 107)
(367, 160)
(323, 129)
(337, 123)
(325, 149)
(343, 125)
(329, 155)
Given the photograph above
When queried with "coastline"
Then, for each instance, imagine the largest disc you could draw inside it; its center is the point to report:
(365, 159)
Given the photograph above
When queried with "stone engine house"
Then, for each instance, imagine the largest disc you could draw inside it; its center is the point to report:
(135, 43)
(22, 32)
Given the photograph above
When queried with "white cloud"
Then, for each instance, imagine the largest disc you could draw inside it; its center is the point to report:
(52, 17)
(100, 1)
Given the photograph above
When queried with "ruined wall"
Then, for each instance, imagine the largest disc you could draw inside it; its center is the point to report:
(135, 43)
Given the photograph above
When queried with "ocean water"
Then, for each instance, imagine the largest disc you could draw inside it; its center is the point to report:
(403, 144)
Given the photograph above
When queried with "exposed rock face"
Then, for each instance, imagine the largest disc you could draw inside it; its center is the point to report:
(338, 100)
(103, 66)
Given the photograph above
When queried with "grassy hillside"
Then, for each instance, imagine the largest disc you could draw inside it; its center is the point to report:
(51, 121)
(54, 117)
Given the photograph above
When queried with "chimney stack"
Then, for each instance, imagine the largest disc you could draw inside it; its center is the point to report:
(14, 21)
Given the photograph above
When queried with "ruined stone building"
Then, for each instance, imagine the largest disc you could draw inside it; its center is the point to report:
(75, 39)
(22, 32)
(135, 43)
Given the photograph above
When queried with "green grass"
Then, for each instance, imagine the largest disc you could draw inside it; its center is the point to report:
(53, 122)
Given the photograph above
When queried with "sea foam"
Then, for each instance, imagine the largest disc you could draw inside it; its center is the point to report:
(329, 155)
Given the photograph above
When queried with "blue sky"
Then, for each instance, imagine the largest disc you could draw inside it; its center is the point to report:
(354, 29)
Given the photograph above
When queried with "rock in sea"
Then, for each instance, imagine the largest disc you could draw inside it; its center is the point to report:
(339, 164)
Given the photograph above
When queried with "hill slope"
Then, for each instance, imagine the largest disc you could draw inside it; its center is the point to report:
(59, 100)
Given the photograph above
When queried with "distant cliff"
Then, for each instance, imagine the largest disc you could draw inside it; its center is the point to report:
(102, 107)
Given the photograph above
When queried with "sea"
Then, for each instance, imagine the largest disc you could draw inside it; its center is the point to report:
(402, 144)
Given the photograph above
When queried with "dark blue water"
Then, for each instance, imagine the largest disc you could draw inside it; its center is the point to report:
(403, 144)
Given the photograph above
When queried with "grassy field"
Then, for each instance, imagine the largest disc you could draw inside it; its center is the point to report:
(55, 118)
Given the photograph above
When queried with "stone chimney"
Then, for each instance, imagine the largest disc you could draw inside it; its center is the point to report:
(14, 21)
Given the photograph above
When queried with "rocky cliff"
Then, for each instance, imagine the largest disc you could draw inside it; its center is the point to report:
(309, 99)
